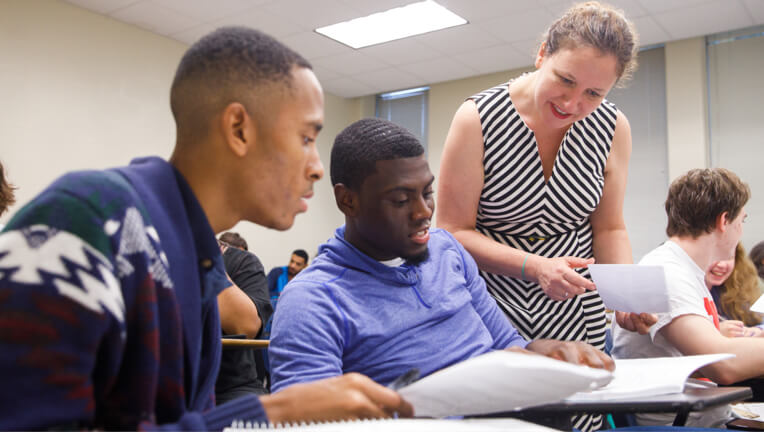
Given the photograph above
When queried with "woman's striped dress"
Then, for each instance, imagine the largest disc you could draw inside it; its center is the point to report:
(548, 218)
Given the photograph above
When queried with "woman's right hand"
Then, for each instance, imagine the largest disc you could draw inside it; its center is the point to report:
(557, 276)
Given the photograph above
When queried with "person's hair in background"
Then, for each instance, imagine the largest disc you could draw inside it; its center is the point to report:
(757, 256)
(599, 26)
(301, 253)
(741, 290)
(234, 239)
(7, 197)
(698, 198)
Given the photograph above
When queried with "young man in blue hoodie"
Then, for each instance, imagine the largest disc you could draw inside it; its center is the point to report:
(109, 279)
(387, 293)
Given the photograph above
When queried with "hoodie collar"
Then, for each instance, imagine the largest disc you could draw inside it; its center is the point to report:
(344, 254)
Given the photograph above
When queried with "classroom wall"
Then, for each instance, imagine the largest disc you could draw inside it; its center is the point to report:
(84, 91)
(81, 91)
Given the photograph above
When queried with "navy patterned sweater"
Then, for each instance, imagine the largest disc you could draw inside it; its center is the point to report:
(108, 312)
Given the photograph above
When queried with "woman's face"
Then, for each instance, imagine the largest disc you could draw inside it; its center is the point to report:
(572, 83)
(719, 271)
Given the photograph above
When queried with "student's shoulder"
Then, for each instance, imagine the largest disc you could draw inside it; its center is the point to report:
(79, 203)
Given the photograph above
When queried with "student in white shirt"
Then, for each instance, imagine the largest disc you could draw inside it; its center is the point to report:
(705, 209)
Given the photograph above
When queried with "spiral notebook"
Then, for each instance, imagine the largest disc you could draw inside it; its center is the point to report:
(400, 425)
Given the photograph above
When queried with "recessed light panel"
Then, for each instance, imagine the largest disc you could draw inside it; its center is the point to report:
(398, 23)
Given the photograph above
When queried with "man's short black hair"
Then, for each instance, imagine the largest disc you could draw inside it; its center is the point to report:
(228, 65)
(301, 253)
(357, 149)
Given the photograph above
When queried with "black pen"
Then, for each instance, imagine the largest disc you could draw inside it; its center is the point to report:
(402, 381)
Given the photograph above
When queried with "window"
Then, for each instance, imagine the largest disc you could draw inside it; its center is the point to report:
(736, 129)
(643, 101)
(406, 108)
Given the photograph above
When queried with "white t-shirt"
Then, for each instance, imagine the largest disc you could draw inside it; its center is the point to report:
(687, 292)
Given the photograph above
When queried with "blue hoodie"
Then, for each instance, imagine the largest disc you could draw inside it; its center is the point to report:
(347, 312)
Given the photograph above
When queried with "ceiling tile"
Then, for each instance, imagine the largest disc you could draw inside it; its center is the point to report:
(205, 10)
(324, 74)
(520, 26)
(494, 59)
(656, 6)
(756, 9)
(707, 18)
(528, 48)
(313, 45)
(458, 39)
(346, 87)
(193, 34)
(349, 63)
(154, 17)
(476, 11)
(438, 70)
(104, 7)
(311, 14)
(368, 7)
(262, 20)
(649, 32)
(389, 79)
(402, 51)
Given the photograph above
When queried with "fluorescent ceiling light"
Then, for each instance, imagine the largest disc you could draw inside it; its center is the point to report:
(398, 23)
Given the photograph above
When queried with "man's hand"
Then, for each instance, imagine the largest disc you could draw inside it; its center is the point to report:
(350, 396)
(635, 322)
(572, 352)
(732, 328)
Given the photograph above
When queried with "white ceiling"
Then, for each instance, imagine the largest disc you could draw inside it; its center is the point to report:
(500, 35)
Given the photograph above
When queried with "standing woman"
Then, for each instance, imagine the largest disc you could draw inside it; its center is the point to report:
(533, 176)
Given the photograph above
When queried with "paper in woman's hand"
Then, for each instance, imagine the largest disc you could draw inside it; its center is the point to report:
(631, 287)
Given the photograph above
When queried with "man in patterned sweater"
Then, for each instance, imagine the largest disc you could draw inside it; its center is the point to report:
(108, 279)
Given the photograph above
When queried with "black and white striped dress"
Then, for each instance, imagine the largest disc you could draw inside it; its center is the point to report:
(548, 218)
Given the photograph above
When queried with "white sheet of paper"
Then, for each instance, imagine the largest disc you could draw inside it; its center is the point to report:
(648, 377)
(499, 381)
(631, 287)
(758, 305)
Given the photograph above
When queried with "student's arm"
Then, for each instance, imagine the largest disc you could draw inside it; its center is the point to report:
(505, 335)
(307, 336)
(351, 396)
(694, 334)
(238, 314)
(610, 241)
(246, 304)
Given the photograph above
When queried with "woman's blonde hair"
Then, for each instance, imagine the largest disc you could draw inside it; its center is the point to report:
(599, 26)
(741, 290)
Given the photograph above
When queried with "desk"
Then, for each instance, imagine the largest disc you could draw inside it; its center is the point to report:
(245, 343)
(693, 399)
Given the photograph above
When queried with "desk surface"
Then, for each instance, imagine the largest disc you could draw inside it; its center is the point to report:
(693, 399)
(245, 343)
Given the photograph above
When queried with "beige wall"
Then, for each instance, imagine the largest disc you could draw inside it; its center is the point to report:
(79, 91)
(84, 91)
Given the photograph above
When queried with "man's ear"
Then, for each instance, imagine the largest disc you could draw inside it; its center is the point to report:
(540, 55)
(722, 221)
(238, 128)
(347, 199)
